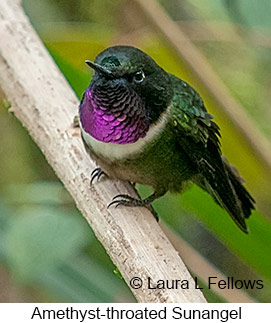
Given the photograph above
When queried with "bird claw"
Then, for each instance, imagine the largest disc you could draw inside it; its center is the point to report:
(126, 200)
(124, 196)
(97, 173)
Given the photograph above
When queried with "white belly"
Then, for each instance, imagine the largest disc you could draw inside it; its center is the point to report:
(112, 151)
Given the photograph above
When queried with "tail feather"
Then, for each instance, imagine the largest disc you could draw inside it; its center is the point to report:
(229, 202)
(246, 200)
(222, 182)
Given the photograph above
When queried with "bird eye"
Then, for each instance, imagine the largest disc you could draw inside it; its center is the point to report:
(139, 77)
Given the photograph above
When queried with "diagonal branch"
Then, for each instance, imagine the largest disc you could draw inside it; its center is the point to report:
(43, 101)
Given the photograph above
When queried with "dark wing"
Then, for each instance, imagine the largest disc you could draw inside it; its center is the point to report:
(198, 137)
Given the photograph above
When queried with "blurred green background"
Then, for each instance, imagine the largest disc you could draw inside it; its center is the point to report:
(48, 253)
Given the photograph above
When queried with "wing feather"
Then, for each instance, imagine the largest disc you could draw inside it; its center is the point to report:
(198, 137)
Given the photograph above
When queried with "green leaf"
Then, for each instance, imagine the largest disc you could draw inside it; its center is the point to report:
(47, 193)
(41, 238)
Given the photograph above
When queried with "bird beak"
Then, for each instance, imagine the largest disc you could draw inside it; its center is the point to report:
(99, 68)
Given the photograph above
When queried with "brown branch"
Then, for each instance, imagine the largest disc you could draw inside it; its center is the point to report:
(225, 32)
(203, 269)
(43, 101)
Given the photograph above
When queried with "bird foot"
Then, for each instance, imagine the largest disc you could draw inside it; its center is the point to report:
(97, 173)
(127, 200)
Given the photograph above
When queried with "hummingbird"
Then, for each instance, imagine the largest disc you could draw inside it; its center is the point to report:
(144, 125)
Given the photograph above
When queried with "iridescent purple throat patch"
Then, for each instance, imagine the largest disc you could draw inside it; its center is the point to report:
(113, 114)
